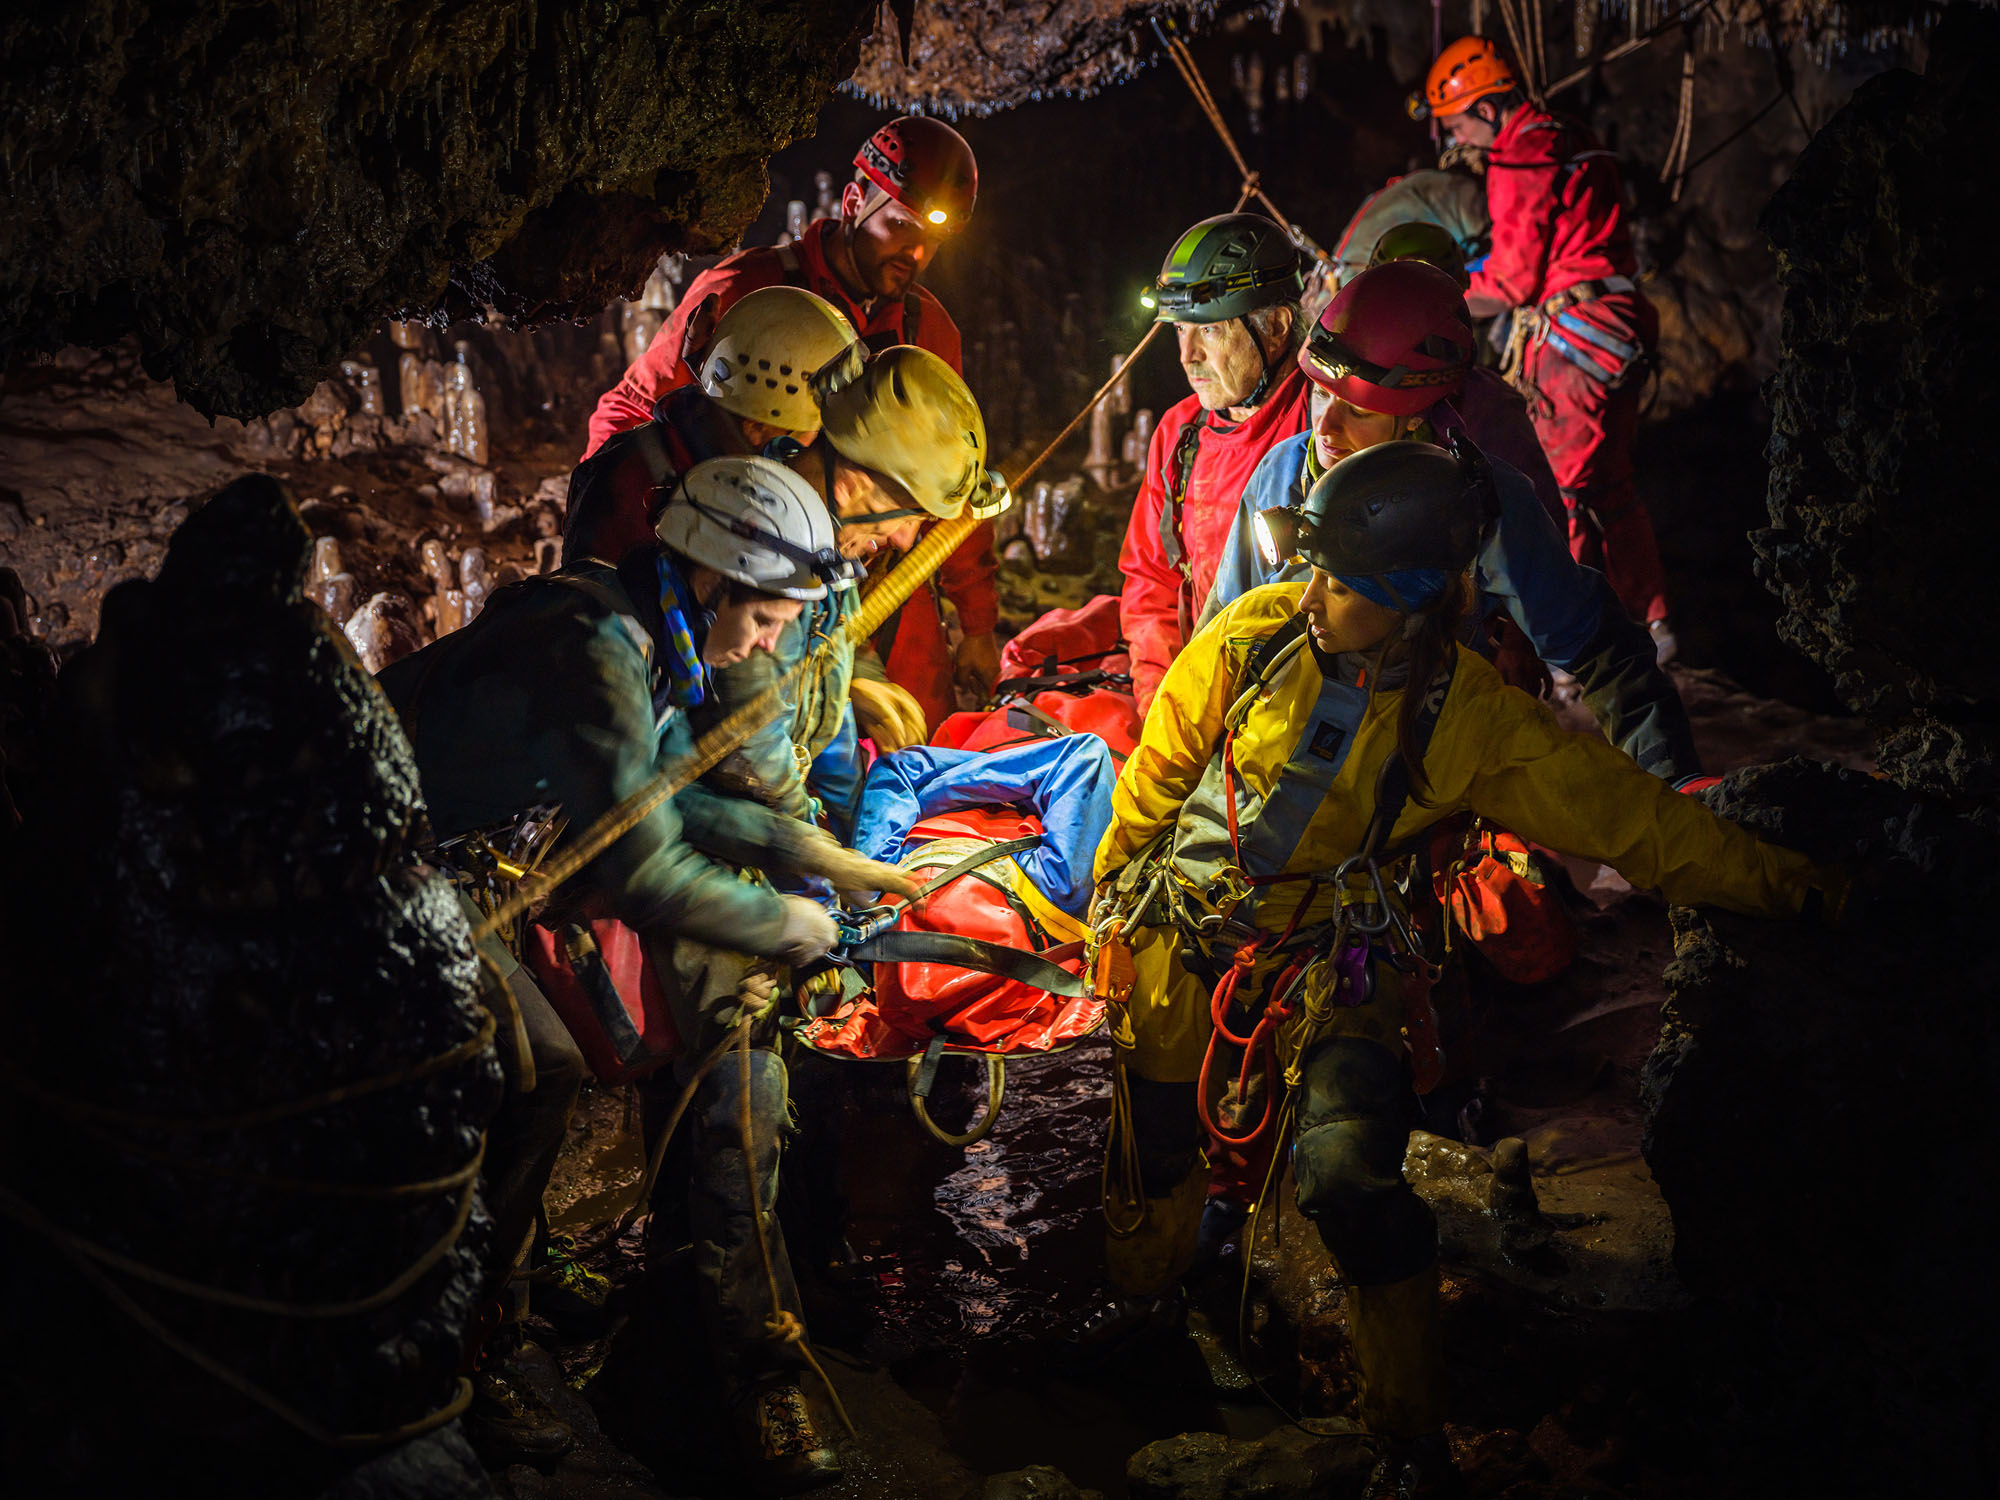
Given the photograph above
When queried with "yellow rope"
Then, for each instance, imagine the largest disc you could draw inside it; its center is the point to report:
(84, 1109)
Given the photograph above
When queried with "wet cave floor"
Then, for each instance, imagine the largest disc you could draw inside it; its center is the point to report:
(1571, 1358)
(1573, 1352)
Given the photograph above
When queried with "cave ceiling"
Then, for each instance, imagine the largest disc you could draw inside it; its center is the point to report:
(249, 188)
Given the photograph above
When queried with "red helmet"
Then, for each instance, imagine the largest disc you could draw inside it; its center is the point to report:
(1468, 70)
(924, 165)
(1397, 339)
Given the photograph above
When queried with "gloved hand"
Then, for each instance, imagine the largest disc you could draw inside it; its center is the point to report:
(887, 714)
(978, 665)
(851, 872)
(756, 994)
(808, 931)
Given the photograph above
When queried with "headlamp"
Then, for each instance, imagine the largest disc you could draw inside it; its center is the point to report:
(1277, 533)
(992, 497)
(1148, 301)
(937, 216)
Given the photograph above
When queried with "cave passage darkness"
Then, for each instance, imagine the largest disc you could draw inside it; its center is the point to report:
(305, 308)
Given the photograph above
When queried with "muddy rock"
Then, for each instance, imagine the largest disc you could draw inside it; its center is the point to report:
(1879, 534)
(252, 191)
(1036, 1482)
(1284, 1465)
(1816, 1107)
(248, 1076)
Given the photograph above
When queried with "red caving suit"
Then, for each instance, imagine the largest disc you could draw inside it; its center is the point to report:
(914, 647)
(1558, 224)
(1169, 569)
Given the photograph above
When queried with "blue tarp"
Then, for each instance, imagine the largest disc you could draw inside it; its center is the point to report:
(1066, 782)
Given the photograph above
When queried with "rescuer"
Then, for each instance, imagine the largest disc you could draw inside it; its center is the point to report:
(1451, 204)
(566, 695)
(1231, 287)
(903, 443)
(1254, 855)
(914, 186)
(1391, 357)
(1561, 268)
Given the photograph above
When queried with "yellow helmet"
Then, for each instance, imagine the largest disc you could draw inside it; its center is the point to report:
(908, 416)
(765, 351)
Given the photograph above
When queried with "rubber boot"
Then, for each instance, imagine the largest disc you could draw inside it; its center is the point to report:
(1399, 1362)
(1153, 1259)
(783, 1452)
(507, 1422)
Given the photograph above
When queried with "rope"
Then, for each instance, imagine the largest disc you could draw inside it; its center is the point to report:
(1184, 64)
(781, 1326)
(1675, 167)
(1517, 37)
(31, 1218)
(75, 1243)
(1630, 45)
(84, 1109)
(659, 1155)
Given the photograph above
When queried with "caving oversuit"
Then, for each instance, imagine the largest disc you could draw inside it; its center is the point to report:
(557, 694)
(1196, 467)
(1567, 611)
(1562, 260)
(1256, 779)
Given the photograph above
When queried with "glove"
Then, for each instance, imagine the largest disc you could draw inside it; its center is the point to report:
(808, 931)
(978, 666)
(756, 995)
(851, 872)
(887, 714)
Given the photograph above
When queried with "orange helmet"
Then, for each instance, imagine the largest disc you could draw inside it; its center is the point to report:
(1470, 68)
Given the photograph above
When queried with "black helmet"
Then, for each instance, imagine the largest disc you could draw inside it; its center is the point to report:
(1397, 506)
(1225, 267)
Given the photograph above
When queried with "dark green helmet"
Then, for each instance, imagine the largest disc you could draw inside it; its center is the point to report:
(1226, 267)
(1396, 506)
(1420, 240)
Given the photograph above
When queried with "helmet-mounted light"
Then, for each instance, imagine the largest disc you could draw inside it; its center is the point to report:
(991, 497)
(1172, 296)
(1335, 359)
(937, 216)
(1148, 301)
(1277, 532)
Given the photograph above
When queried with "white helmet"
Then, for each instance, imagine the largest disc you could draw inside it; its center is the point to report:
(754, 521)
(765, 350)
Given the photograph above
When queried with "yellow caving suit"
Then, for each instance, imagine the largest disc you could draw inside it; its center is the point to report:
(1306, 757)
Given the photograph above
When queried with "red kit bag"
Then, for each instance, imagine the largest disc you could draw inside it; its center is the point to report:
(1500, 895)
(597, 978)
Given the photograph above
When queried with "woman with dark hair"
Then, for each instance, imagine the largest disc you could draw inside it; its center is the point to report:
(1297, 750)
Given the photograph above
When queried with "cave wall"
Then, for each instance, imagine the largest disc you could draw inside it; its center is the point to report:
(1882, 531)
(251, 188)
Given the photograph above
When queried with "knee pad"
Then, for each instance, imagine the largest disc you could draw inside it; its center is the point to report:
(1351, 1185)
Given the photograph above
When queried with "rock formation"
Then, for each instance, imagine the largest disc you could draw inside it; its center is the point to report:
(1881, 538)
(246, 1078)
(252, 190)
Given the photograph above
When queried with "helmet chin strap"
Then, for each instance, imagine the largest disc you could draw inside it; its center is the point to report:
(1263, 387)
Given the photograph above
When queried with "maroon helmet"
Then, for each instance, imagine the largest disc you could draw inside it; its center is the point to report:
(926, 166)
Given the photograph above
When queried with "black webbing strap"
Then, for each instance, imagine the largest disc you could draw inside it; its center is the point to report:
(1392, 787)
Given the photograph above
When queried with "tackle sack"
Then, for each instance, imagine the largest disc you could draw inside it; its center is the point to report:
(1106, 713)
(597, 979)
(1500, 894)
(1069, 640)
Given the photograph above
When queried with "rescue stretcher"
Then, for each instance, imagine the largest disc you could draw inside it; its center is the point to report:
(1000, 817)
